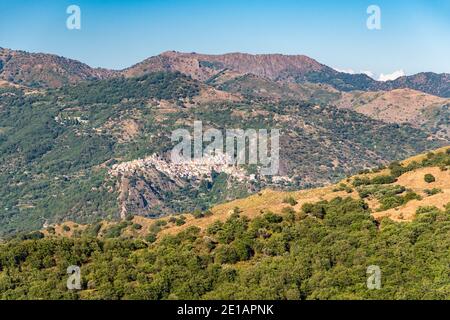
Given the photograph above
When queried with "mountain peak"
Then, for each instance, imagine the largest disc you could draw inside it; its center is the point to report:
(203, 66)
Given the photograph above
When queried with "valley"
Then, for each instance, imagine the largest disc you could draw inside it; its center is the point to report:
(58, 146)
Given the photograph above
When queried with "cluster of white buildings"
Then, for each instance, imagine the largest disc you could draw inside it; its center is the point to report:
(193, 169)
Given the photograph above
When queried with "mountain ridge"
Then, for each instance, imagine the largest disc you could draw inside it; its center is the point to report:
(276, 67)
(43, 69)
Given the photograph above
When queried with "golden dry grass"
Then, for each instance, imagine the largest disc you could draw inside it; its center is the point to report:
(395, 106)
(415, 181)
(59, 229)
(422, 156)
(254, 205)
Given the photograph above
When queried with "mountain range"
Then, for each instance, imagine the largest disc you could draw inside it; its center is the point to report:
(46, 70)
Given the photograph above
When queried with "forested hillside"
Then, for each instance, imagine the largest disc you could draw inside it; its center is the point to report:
(321, 251)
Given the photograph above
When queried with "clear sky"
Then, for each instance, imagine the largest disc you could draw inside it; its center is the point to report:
(414, 35)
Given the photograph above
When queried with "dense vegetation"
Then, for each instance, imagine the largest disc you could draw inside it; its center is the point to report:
(51, 150)
(321, 251)
(296, 255)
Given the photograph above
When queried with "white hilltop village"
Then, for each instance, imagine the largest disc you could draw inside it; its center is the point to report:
(197, 168)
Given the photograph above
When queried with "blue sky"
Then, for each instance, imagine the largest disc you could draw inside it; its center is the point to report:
(414, 35)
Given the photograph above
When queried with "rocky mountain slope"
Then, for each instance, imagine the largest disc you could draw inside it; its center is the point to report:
(202, 67)
(285, 69)
(37, 69)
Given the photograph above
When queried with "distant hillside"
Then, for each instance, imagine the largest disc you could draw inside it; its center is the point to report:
(401, 106)
(255, 87)
(58, 147)
(45, 70)
(429, 82)
(284, 68)
(403, 192)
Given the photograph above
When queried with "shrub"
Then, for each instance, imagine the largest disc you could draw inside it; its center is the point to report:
(137, 226)
(243, 249)
(51, 230)
(93, 230)
(214, 228)
(290, 200)
(390, 202)
(379, 191)
(397, 169)
(197, 214)
(226, 254)
(237, 211)
(426, 210)
(433, 191)
(343, 187)
(287, 211)
(429, 178)
(272, 217)
(208, 213)
(151, 237)
(172, 219)
(360, 181)
(180, 222)
(276, 245)
(411, 196)
(161, 223)
(383, 179)
(116, 230)
(36, 235)
(317, 210)
(66, 228)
